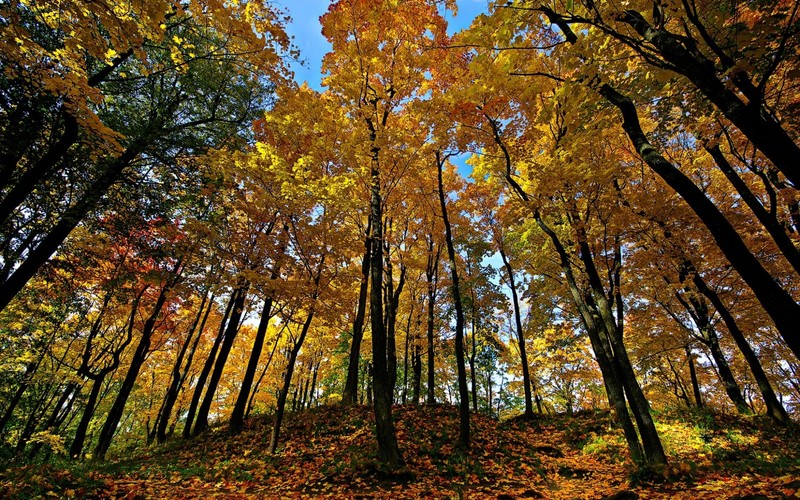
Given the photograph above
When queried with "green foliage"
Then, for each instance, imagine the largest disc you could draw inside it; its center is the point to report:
(611, 447)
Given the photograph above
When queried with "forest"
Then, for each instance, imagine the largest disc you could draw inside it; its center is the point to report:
(573, 214)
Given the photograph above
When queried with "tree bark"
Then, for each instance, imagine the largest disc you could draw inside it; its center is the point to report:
(201, 420)
(237, 417)
(463, 390)
(208, 365)
(178, 376)
(698, 398)
(73, 215)
(139, 357)
(753, 119)
(350, 393)
(392, 303)
(770, 223)
(775, 409)
(526, 377)
(388, 450)
(432, 275)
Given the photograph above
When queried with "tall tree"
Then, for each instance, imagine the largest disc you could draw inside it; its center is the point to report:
(164, 82)
(455, 290)
(374, 45)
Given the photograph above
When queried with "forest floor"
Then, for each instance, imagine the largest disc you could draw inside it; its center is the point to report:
(330, 452)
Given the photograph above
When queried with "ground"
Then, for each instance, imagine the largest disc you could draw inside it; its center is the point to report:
(329, 452)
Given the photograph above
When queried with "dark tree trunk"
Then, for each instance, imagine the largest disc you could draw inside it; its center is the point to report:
(463, 390)
(201, 420)
(776, 301)
(97, 377)
(350, 393)
(178, 376)
(753, 119)
(34, 414)
(61, 410)
(42, 168)
(287, 383)
(604, 355)
(392, 303)
(526, 377)
(254, 391)
(725, 374)
(613, 377)
(139, 357)
(208, 365)
(770, 223)
(432, 275)
(30, 369)
(73, 215)
(416, 380)
(679, 387)
(76, 448)
(407, 351)
(698, 398)
(312, 394)
(640, 407)
(237, 417)
(388, 450)
(775, 409)
(473, 372)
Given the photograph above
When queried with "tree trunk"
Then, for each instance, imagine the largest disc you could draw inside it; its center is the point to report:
(208, 365)
(254, 391)
(604, 353)
(612, 377)
(698, 310)
(432, 275)
(42, 168)
(350, 393)
(472, 355)
(73, 215)
(698, 398)
(416, 367)
(463, 390)
(770, 223)
(97, 378)
(775, 409)
(406, 351)
(287, 383)
(201, 420)
(752, 118)
(392, 303)
(237, 417)
(312, 395)
(776, 301)
(178, 376)
(139, 357)
(526, 378)
(76, 448)
(30, 370)
(388, 450)
(651, 443)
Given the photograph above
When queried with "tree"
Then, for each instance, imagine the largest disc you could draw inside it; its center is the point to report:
(374, 45)
(455, 290)
(161, 85)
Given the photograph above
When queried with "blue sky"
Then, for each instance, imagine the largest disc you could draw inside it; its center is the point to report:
(306, 30)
